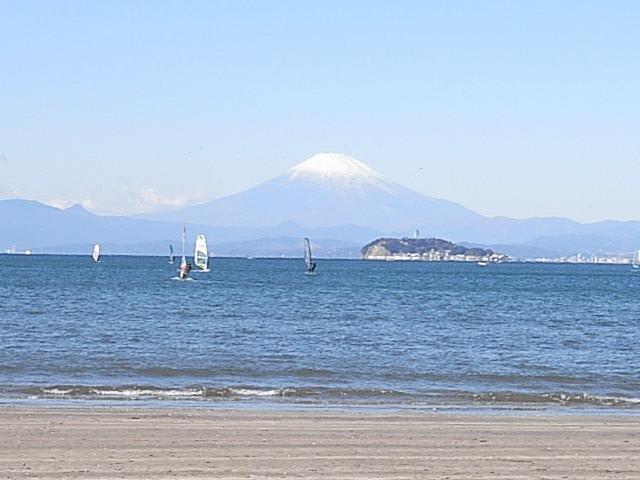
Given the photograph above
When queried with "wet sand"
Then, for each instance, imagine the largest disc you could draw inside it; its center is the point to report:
(47, 442)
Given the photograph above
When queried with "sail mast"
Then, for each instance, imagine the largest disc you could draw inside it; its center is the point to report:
(184, 242)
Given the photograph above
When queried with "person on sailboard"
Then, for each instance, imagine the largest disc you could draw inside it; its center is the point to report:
(184, 270)
(312, 267)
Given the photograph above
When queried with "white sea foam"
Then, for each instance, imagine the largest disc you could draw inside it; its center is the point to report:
(57, 391)
(602, 399)
(134, 392)
(255, 393)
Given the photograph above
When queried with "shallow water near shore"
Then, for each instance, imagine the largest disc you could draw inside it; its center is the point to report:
(359, 334)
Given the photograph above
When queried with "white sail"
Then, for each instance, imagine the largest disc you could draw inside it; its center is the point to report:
(96, 252)
(636, 260)
(183, 273)
(201, 254)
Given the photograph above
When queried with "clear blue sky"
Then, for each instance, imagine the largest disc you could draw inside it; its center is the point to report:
(510, 108)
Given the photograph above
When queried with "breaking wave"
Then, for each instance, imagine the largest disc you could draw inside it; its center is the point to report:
(331, 396)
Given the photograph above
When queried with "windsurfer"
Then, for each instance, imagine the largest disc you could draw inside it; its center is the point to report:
(184, 270)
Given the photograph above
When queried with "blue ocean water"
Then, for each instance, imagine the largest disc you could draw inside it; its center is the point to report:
(358, 333)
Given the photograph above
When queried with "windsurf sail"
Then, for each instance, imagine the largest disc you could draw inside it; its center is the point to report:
(96, 252)
(172, 257)
(184, 267)
(201, 255)
(636, 260)
(308, 259)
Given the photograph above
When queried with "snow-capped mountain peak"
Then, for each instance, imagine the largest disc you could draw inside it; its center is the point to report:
(334, 167)
(326, 190)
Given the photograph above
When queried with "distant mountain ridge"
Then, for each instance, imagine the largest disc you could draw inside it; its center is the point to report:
(329, 196)
(30, 225)
(335, 189)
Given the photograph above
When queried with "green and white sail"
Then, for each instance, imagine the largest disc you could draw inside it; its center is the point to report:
(201, 254)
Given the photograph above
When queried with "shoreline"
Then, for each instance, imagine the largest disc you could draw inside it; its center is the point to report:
(313, 397)
(141, 442)
(266, 406)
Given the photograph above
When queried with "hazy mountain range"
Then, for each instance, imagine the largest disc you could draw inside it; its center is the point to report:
(334, 199)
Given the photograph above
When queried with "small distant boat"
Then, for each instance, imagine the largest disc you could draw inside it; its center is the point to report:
(201, 254)
(482, 263)
(96, 252)
(172, 257)
(636, 260)
(308, 259)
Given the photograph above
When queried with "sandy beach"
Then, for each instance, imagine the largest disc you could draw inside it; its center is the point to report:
(47, 442)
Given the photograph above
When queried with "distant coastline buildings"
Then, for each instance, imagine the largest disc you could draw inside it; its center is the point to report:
(608, 259)
(439, 250)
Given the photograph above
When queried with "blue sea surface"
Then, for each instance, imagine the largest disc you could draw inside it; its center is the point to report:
(358, 333)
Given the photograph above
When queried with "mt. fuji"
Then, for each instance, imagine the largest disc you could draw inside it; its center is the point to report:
(327, 190)
(332, 190)
(340, 202)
